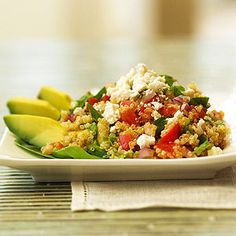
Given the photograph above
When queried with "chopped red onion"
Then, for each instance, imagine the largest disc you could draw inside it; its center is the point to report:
(185, 107)
(71, 117)
(146, 153)
(178, 100)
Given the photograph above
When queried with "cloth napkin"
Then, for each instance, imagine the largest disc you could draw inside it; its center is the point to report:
(217, 193)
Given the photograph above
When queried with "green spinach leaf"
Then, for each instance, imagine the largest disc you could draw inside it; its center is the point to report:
(177, 90)
(31, 148)
(169, 79)
(160, 123)
(200, 101)
(96, 150)
(74, 152)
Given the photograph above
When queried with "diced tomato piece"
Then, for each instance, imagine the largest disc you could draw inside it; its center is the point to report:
(126, 103)
(198, 114)
(142, 108)
(124, 141)
(172, 135)
(202, 113)
(129, 116)
(168, 110)
(145, 114)
(167, 147)
(105, 98)
(166, 143)
(92, 101)
(59, 146)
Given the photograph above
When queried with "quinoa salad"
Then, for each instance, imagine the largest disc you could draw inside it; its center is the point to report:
(144, 115)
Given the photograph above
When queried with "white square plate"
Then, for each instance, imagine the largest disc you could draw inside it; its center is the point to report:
(63, 170)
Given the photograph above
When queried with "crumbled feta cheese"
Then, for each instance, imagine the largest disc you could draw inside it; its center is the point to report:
(130, 74)
(100, 106)
(118, 94)
(149, 77)
(157, 85)
(156, 115)
(145, 141)
(199, 128)
(130, 85)
(175, 117)
(156, 105)
(123, 82)
(121, 91)
(79, 111)
(111, 112)
(113, 129)
(200, 122)
(215, 151)
(138, 84)
(141, 68)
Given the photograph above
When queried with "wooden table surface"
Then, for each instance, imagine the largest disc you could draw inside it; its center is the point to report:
(28, 208)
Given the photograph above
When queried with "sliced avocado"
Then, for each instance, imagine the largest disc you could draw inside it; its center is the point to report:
(36, 130)
(58, 99)
(20, 105)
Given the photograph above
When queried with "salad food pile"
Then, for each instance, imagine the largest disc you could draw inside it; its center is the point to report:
(142, 115)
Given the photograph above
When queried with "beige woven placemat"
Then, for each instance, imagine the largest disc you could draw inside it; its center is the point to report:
(217, 193)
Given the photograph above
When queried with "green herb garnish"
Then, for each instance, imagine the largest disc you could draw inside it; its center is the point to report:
(95, 114)
(81, 102)
(198, 150)
(186, 126)
(100, 93)
(93, 128)
(169, 79)
(219, 122)
(202, 139)
(160, 123)
(200, 101)
(177, 90)
(112, 138)
(208, 119)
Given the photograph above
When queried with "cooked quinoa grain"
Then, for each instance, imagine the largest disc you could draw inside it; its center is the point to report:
(144, 115)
